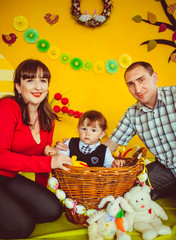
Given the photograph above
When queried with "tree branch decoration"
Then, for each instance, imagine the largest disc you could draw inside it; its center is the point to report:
(152, 19)
(86, 19)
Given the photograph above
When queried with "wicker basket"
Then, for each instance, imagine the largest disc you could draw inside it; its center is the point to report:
(89, 185)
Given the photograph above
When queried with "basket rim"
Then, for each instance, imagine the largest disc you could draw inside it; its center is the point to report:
(86, 170)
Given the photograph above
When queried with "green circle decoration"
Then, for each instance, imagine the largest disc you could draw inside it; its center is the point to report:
(112, 66)
(86, 19)
(43, 45)
(31, 35)
(76, 63)
(87, 65)
(64, 58)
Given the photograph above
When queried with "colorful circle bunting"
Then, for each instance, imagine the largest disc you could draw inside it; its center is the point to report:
(31, 35)
(20, 23)
(112, 66)
(43, 45)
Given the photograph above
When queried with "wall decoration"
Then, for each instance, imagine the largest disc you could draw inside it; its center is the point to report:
(99, 66)
(51, 18)
(43, 45)
(53, 52)
(31, 35)
(20, 23)
(152, 19)
(61, 105)
(87, 65)
(112, 66)
(76, 63)
(9, 38)
(125, 60)
(65, 58)
(86, 19)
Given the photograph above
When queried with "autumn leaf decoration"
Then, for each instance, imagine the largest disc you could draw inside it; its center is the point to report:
(169, 10)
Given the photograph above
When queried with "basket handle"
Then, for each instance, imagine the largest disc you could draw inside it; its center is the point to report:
(140, 153)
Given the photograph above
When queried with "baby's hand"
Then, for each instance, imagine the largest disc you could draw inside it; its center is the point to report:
(118, 163)
(50, 151)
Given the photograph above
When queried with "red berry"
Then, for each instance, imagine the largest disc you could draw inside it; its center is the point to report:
(80, 114)
(71, 112)
(64, 101)
(56, 109)
(64, 109)
(58, 96)
(76, 114)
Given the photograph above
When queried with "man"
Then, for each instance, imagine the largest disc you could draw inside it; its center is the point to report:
(153, 119)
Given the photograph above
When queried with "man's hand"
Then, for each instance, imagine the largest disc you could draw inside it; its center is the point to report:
(111, 144)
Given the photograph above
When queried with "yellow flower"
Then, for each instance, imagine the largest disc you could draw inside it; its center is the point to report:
(99, 67)
(125, 60)
(20, 23)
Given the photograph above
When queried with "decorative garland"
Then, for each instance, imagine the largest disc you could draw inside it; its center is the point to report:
(31, 36)
(86, 19)
(68, 202)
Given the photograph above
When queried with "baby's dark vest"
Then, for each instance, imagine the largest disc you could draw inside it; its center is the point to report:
(93, 159)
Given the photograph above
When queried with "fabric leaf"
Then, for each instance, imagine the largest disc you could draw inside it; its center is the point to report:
(151, 45)
(120, 214)
(137, 18)
(152, 18)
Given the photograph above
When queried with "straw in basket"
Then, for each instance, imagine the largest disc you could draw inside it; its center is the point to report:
(87, 186)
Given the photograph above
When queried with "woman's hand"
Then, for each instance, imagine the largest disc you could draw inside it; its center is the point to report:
(50, 151)
(61, 145)
(59, 161)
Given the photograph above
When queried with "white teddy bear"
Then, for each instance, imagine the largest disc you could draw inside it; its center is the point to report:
(106, 224)
(147, 214)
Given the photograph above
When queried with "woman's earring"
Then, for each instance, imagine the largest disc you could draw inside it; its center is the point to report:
(19, 96)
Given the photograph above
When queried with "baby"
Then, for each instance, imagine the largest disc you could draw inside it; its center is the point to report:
(87, 148)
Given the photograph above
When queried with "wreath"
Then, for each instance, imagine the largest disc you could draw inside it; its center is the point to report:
(86, 19)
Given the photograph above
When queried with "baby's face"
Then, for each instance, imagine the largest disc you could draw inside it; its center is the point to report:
(90, 133)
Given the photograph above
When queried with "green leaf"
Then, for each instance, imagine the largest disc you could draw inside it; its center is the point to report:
(151, 45)
(137, 18)
(120, 214)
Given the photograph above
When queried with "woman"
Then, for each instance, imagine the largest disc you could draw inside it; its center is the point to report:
(26, 127)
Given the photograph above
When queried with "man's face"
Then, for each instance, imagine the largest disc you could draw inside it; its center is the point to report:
(142, 85)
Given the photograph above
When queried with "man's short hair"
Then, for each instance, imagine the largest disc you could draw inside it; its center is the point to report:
(146, 65)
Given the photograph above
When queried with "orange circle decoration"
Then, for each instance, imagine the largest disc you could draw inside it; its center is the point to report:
(86, 19)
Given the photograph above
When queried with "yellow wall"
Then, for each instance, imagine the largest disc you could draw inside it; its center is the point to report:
(119, 35)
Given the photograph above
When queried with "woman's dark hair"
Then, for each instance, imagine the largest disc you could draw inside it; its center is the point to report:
(145, 65)
(28, 69)
(92, 117)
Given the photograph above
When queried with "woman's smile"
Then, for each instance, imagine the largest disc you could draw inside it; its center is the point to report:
(37, 94)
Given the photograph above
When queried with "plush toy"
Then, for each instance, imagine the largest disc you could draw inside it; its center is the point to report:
(105, 224)
(78, 163)
(147, 214)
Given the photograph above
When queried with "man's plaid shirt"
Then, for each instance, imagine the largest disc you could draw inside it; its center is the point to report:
(156, 128)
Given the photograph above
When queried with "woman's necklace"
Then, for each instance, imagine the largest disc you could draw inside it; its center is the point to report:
(33, 125)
